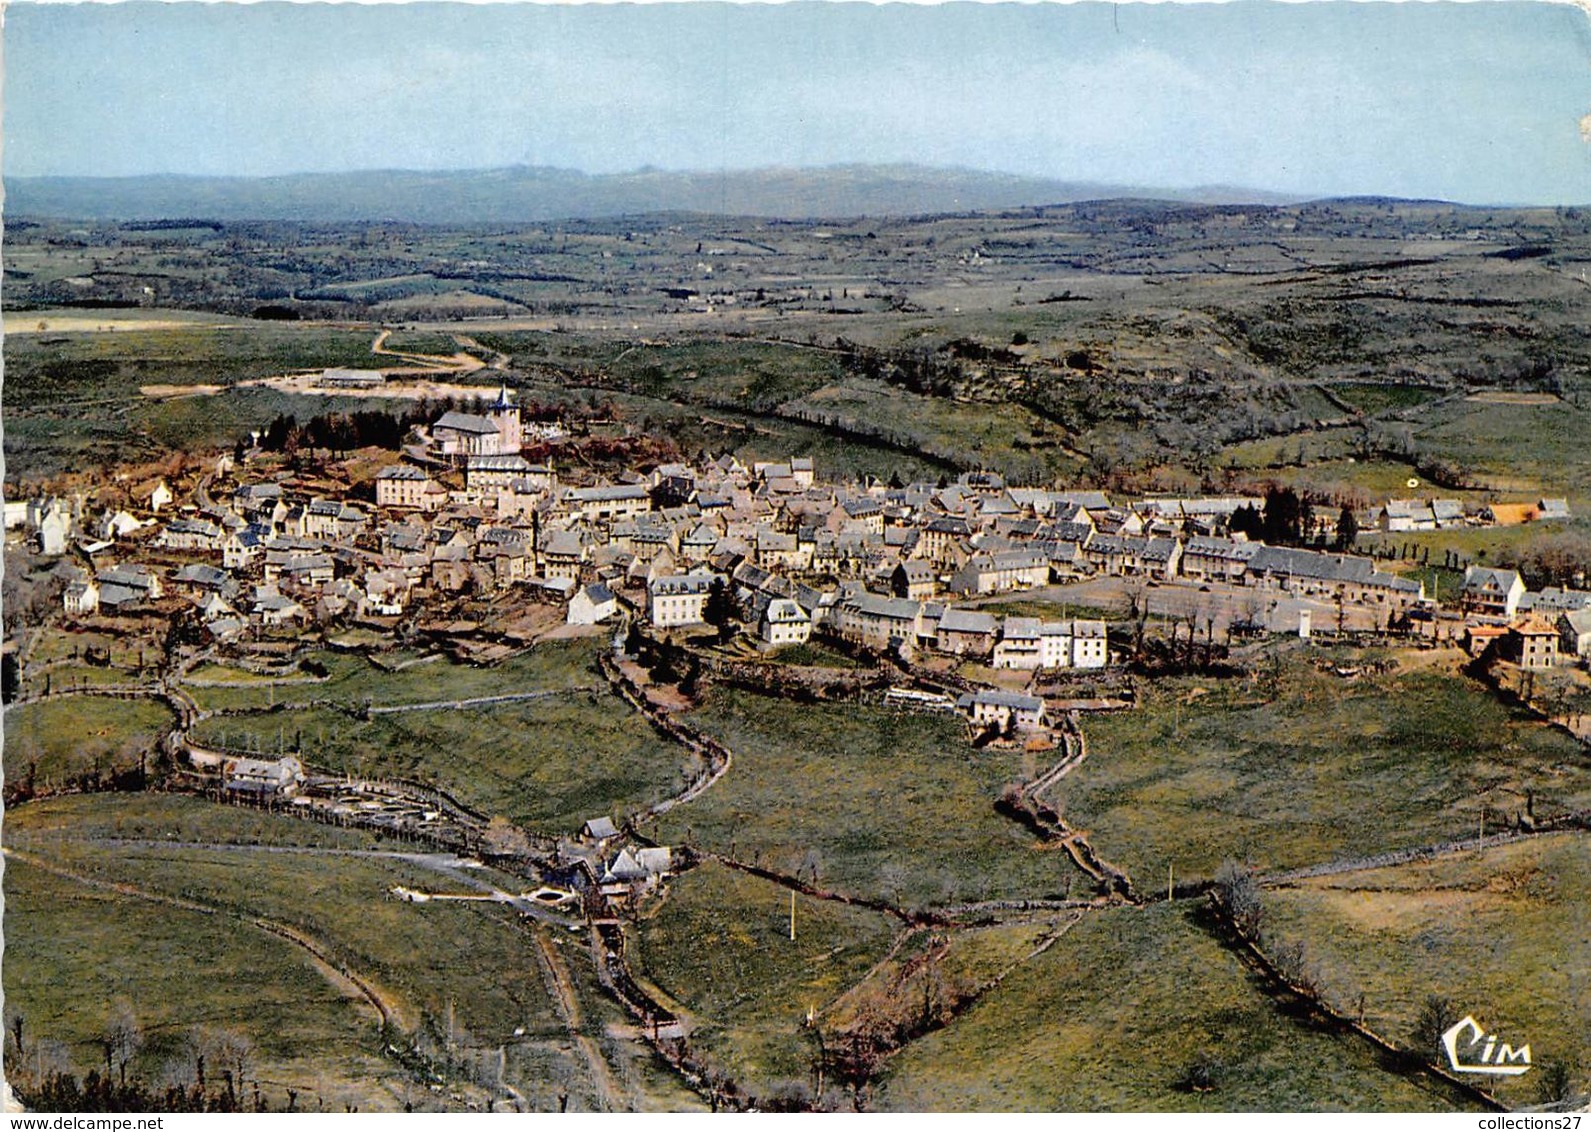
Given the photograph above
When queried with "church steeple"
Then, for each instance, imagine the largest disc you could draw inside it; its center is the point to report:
(510, 435)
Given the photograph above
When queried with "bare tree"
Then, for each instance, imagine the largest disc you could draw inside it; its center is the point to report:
(123, 1037)
(891, 879)
(232, 1055)
(1237, 892)
(505, 839)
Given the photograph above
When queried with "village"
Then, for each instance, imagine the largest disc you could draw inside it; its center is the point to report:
(767, 554)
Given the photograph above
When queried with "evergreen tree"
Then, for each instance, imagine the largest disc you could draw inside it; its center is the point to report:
(1283, 520)
(1347, 529)
(719, 611)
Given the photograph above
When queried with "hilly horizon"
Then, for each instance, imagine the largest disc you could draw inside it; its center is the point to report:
(519, 194)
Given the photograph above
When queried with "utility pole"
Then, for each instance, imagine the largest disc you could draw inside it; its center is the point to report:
(1171, 881)
(792, 914)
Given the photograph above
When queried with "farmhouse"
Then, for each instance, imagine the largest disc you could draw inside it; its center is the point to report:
(1004, 710)
(126, 586)
(967, 632)
(1532, 642)
(1090, 644)
(591, 605)
(81, 598)
(1574, 633)
(351, 378)
(1399, 515)
(263, 778)
(1021, 643)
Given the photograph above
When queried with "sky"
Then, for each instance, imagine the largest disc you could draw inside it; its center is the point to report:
(1476, 102)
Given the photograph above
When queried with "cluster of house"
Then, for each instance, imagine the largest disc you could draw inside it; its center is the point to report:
(1400, 515)
(466, 511)
(1534, 630)
(620, 870)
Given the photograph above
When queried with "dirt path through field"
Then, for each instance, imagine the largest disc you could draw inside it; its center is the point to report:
(344, 978)
(568, 1004)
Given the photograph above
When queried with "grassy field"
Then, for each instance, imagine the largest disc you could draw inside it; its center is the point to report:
(1324, 768)
(1051, 610)
(520, 759)
(1371, 398)
(72, 951)
(352, 681)
(463, 970)
(67, 736)
(74, 400)
(549, 764)
(1484, 545)
(465, 962)
(1111, 1017)
(174, 818)
(1501, 934)
(813, 654)
(890, 805)
(55, 644)
(1523, 448)
(1004, 436)
(719, 946)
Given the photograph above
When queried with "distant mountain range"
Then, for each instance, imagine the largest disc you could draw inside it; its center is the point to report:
(524, 194)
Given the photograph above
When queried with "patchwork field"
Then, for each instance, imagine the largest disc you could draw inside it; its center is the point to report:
(719, 946)
(1310, 768)
(60, 739)
(513, 759)
(351, 681)
(458, 979)
(73, 951)
(891, 805)
(1502, 934)
(1113, 1017)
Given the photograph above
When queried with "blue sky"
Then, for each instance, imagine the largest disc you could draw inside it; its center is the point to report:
(1477, 102)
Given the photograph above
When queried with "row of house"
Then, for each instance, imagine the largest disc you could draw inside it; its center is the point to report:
(1401, 515)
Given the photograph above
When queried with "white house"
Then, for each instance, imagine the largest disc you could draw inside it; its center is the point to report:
(1003, 709)
(1090, 645)
(784, 622)
(81, 599)
(160, 496)
(54, 528)
(592, 605)
(681, 599)
(1491, 592)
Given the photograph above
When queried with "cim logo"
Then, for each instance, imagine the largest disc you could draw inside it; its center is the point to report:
(1496, 1058)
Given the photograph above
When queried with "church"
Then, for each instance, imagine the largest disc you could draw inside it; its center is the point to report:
(458, 436)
